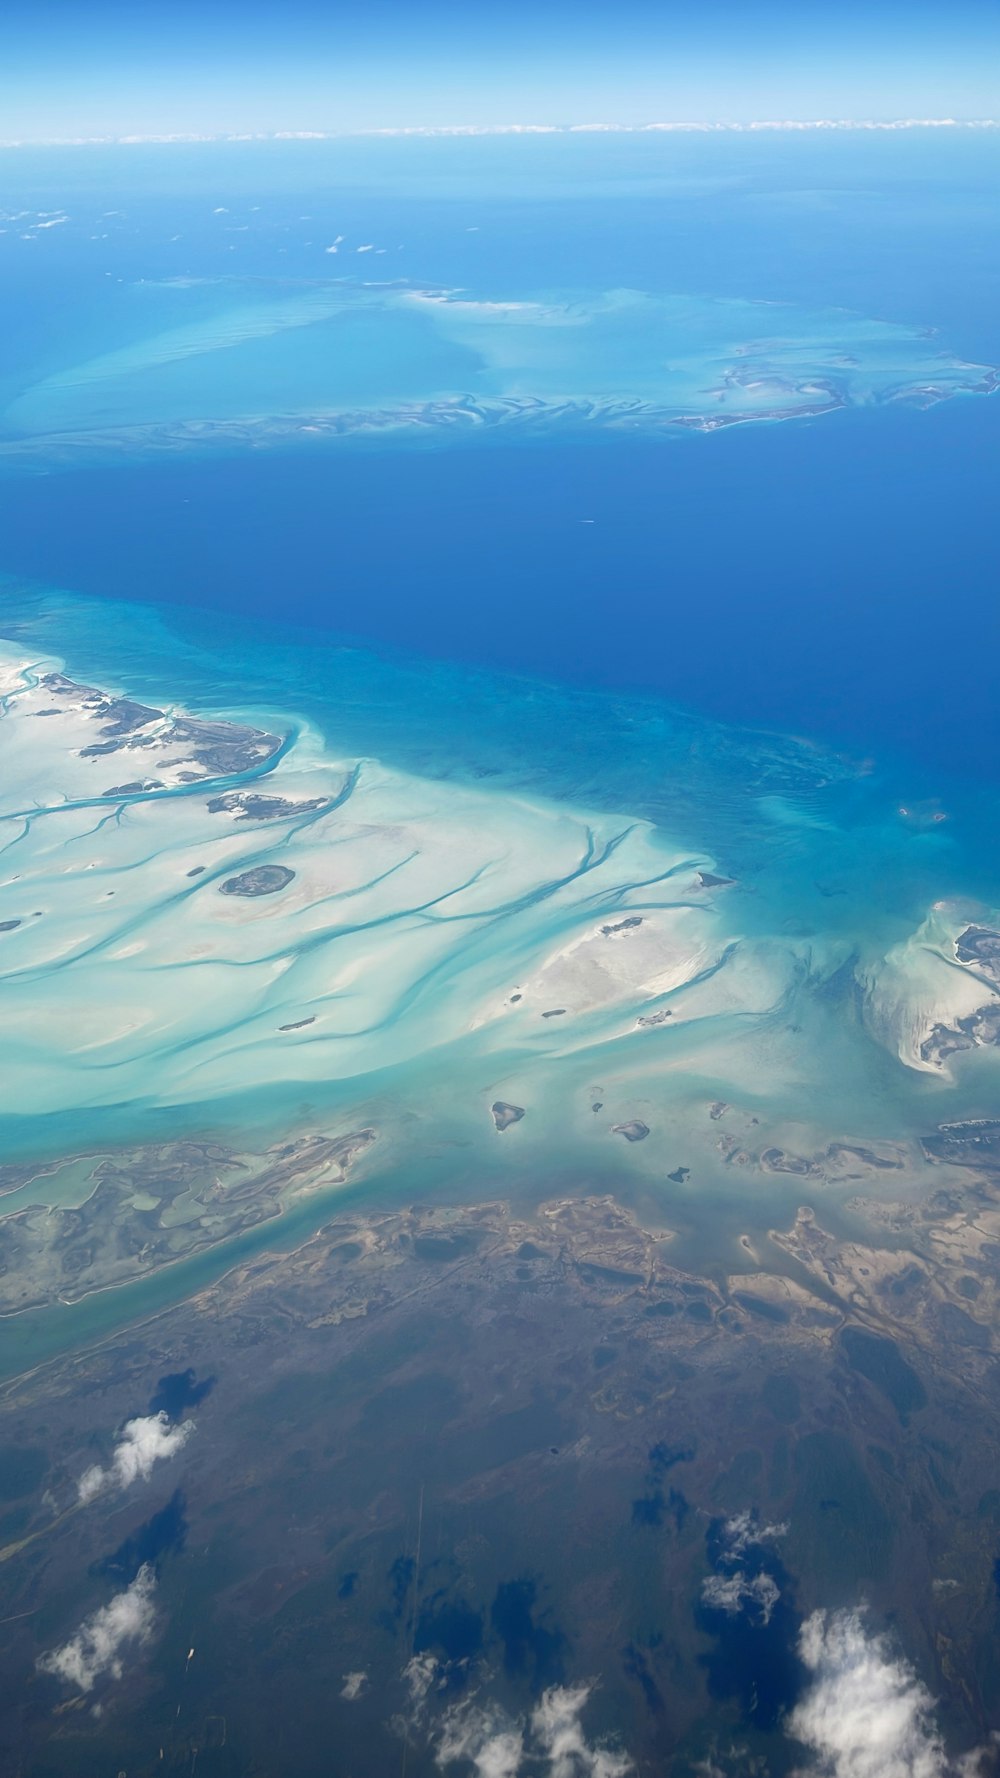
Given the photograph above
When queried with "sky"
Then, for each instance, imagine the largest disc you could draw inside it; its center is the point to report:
(71, 68)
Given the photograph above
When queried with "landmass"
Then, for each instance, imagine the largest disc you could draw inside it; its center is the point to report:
(264, 879)
(475, 1364)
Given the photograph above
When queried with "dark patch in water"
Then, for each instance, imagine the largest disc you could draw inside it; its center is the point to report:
(698, 1310)
(401, 1579)
(161, 1535)
(756, 1305)
(348, 1585)
(663, 1456)
(21, 1469)
(755, 1659)
(14, 1522)
(441, 1246)
(651, 1509)
(452, 1629)
(528, 1647)
(637, 1668)
(884, 1365)
(614, 1275)
(648, 1509)
(177, 1391)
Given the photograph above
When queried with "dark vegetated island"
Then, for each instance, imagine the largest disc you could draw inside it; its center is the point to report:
(264, 879)
(504, 1115)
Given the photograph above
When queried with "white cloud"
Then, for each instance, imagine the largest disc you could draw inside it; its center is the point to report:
(366, 248)
(731, 1592)
(556, 1726)
(353, 1686)
(143, 1442)
(734, 1589)
(96, 1648)
(493, 1745)
(522, 129)
(551, 1743)
(866, 1714)
(420, 1673)
(742, 1531)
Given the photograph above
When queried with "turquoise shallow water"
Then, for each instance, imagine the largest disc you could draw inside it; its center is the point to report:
(227, 361)
(445, 936)
(688, 616)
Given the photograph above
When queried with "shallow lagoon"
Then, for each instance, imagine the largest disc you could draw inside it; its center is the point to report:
(232, 363)
(694, 926)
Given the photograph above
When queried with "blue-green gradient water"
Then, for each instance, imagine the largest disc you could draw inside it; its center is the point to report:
(769, 648)
(833, 576)
(622, 841)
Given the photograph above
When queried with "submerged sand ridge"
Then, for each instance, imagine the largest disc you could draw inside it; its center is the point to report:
(204, 913)
(178, 929)
(345, 360)
(937, 993)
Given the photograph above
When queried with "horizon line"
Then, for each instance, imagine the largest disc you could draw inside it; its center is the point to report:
(732, 127)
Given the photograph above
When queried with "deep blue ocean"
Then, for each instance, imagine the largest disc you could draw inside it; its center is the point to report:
(834, 577)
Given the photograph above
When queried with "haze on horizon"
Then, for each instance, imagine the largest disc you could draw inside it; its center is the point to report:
(113, 69)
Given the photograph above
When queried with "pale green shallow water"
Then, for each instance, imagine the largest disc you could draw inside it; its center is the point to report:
(474, 838)
(237, 360)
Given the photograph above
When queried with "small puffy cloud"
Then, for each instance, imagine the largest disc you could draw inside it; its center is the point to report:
(483, 1736)
(353, 1686)
(92, 1482)
(366, 247)
(96, 1648)
(551, 1743)
(865, 1712)
(558, 1732)
(741, 1582)
(142, 1443)
(420, 1673)
(734, 1593)
(742, 1532)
